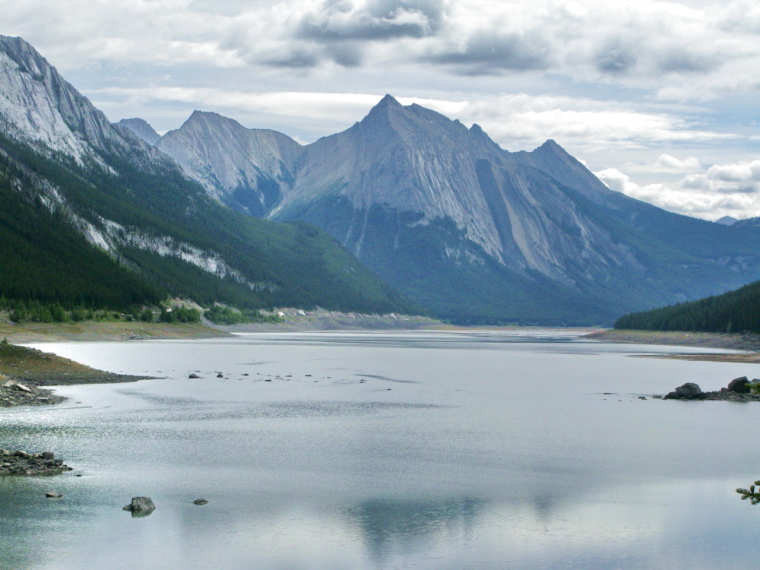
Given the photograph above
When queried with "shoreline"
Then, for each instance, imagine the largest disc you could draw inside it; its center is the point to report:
(749, 344)
(104, 331)
(35, 369)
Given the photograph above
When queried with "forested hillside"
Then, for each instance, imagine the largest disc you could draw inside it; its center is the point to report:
(46, 256)
(735, 311)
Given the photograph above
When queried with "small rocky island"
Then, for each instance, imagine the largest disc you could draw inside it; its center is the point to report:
(738, 390)
(23, 463)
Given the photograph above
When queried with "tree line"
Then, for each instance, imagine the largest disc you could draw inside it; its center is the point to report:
(734, 311)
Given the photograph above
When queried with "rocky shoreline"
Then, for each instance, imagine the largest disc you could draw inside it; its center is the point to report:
(13, 393)
(24, 371)
(738, 390)
(23, 463)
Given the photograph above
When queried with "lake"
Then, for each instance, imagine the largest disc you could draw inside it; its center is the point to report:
(426, 450)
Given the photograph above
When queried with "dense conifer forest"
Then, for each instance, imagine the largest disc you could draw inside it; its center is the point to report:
(734, 311)
(49, 266)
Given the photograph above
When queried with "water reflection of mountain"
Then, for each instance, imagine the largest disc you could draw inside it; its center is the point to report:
(399, 526)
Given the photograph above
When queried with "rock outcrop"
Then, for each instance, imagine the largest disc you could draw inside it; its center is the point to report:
(23, 463)
(738, 390)
(140, 506)
(13, 393)
(688, 391)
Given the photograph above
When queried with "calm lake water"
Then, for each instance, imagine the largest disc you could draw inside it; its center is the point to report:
(371, 451)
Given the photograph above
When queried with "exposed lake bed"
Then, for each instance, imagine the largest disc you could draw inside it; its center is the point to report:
(387, 450)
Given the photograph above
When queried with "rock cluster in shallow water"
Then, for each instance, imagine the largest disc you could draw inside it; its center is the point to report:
(14, 393)
(738, 390)
(23, 463)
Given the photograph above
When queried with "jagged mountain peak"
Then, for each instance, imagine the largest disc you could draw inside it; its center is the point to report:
(216, 125)
(551, 145)
(41, 108)
(248, 169)
(22, 53)
(207, 116)
(387, 111)
(206, 120)
(555, 161)
(411, 120)
(389, 101)
(141, 128)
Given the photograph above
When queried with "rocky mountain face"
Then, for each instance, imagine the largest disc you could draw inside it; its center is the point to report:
(248, 169)
(474, 232)
(38, 107)
(93, 214)
(141, 128)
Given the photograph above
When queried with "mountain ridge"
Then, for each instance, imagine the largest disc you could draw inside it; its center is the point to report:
(133, 212)
(478, 233)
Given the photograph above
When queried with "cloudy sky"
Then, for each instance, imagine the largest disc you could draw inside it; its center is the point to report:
(660, 99)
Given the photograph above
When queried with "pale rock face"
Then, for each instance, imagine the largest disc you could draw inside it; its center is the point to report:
(252, 166)
(409, 159)
(38, 107)
(416, 160)
(141, 128)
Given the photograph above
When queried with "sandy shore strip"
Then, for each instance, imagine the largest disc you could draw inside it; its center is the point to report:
(100, 331)
(730, 341)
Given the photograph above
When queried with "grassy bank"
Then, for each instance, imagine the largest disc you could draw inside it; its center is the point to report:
(39, 368)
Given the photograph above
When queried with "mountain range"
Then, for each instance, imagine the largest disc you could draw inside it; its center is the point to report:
(464, 227)
(219, 212)
(93, 215)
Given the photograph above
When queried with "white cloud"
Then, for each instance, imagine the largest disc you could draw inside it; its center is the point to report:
(673, 164)
(523, 121)
(648, 44)
(721, 190)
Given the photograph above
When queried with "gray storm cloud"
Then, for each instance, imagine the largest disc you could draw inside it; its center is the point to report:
(491, 53)
(379, 20)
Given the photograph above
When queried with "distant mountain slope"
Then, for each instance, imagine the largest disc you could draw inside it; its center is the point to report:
(141, 128)
(94, 209)
(248, 169)
(474, 232)
(726, 221)
(734, 311)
